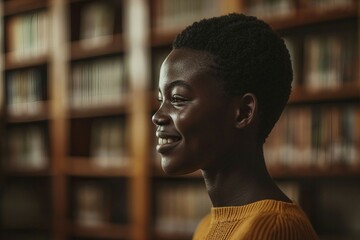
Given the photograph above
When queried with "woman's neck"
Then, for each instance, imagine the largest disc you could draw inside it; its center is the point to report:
(242, 182)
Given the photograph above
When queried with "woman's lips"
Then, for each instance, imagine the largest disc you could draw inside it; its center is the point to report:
(166, 143)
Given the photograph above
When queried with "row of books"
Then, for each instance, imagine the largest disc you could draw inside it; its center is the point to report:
(175, 14)
(98, 82)
(97, 203)
(27, 148)
(97, 24)
(315, 137)
(270, 9)
(108, 143)
(25, 91)
(180, 207)
(28, 35)
(91, 208)
(330, 60)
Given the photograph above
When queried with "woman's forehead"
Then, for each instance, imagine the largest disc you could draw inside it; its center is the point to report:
(189, 66)
(185, 62)
(189, 58)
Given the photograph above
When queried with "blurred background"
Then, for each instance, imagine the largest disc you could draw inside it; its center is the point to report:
(78, 86)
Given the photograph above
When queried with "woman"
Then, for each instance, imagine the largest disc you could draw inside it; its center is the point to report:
(222, 88)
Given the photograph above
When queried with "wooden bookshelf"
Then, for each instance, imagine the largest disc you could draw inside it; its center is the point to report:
(113, 45)
(106, 110)
(37, 61)
(339, 172)
(302, 22)
(344, 93)
(137, 40)
(66, 49)
(306, 17)
(85, 167)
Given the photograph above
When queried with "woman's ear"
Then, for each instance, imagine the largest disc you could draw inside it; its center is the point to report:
(246, 110)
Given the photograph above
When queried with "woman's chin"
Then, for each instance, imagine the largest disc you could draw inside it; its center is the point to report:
(173, 169)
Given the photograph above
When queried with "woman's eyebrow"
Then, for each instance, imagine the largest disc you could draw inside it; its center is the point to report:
(175, 83)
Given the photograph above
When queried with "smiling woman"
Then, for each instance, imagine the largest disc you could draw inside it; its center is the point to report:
(194, 120)
(222, 88)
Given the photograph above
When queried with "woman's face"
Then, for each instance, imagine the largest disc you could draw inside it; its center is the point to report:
(195, 121)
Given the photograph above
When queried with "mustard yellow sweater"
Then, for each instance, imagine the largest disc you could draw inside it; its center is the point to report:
(262, 220)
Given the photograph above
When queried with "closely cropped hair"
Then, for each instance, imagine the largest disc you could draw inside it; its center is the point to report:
(250, 58)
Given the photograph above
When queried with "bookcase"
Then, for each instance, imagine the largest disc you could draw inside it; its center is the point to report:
(78, 86)
(313, 151)
(67, 119)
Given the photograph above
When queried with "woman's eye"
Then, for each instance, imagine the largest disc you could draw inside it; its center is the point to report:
(178, 99)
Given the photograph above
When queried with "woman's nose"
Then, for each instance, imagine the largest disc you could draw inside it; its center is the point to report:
(160, 117)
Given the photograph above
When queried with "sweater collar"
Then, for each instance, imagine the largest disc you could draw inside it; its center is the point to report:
(234, 213)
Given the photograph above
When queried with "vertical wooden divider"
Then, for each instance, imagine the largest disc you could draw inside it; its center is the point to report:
(136, 32)
(58, 76)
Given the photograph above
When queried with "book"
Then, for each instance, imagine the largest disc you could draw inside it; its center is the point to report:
(317, 136)
(91, 204)
(180, 207)
(25, 91)
(27, 148)
(97, 83)
(97, 24)
(28, 35)
(330, 60)
(108, 143)
(175, 14)
(270, 8)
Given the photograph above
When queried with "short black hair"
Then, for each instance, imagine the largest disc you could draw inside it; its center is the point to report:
(249, 57)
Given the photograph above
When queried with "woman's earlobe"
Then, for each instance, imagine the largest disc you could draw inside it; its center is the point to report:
(246, 110)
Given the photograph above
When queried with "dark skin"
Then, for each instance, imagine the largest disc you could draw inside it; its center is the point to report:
(201, 127)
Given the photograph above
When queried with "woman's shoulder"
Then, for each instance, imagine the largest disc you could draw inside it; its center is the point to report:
(202, 227)
(286, 221)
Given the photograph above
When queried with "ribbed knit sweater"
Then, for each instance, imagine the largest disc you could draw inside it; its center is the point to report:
(262, 220)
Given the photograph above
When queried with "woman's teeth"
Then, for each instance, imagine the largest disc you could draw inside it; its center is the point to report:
(163, 141)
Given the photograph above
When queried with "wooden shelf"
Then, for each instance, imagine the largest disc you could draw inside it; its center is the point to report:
(302, 95)
(114, 44)
(312, 16)
(69, 129)
(163, 38)
(280, 172)
(106, 230)
(97, 111)
(11, 64)
(14, 172)
(86, 167)
(16, 6)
